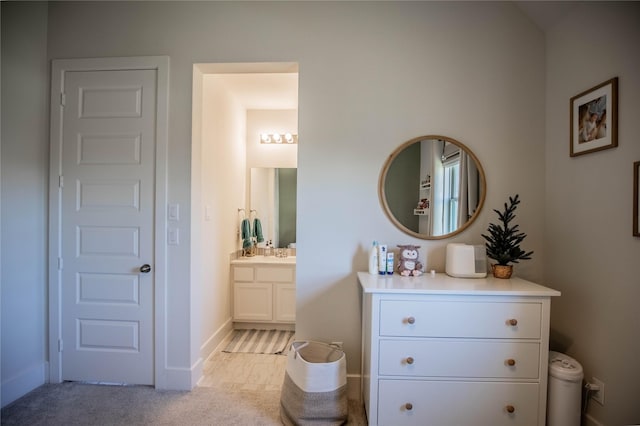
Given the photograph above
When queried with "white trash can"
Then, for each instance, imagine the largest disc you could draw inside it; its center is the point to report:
(564, 393)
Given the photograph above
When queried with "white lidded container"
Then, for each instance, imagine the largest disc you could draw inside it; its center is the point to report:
(373, 259)
(564, 391)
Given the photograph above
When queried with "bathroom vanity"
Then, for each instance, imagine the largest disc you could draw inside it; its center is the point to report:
(439, 350)
(264, 292)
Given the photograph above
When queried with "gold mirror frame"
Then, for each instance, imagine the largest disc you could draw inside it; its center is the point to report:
(385, 170)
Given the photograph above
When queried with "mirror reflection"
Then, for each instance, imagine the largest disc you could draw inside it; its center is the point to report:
(273, 197)
(432, 187)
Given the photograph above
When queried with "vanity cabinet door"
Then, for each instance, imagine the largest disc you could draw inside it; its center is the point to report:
(285, 302)
(264, 294)
(253, 301)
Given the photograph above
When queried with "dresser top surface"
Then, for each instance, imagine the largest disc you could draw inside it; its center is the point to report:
(445, 285)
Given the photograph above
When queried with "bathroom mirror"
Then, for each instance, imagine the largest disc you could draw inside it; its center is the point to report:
(432, 187)
(273, 200)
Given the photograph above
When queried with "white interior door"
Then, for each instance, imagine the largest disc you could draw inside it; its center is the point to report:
(107, 226)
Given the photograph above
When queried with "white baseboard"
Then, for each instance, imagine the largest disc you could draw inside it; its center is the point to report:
(210, 345)
(180, 378)
(590, 421)
(23, 383)
(353, 387)
(263, 326)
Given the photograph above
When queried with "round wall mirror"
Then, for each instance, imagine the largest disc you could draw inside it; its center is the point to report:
(432, 187)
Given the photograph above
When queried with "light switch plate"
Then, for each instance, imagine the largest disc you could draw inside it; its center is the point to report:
(174, 211)
(173, 237)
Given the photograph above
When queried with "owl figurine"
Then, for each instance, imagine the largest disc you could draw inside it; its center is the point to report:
(408, 263)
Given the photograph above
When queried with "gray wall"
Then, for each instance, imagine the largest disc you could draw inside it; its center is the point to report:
(372, 75)
(591, 255)
(24, 191)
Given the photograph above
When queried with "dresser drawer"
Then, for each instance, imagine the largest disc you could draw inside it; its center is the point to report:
(432, 403)
(427, 318)
(457, 359)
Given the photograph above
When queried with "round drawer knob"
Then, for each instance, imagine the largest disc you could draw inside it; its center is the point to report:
(411, 320)
(513, 322)
(510, 409)
(511, 362)
(408, 406)
(409, 360)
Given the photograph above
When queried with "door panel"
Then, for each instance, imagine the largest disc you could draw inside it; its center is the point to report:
(107, 225)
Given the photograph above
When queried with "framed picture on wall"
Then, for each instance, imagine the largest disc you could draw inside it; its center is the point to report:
(594, 119)
(636, 198)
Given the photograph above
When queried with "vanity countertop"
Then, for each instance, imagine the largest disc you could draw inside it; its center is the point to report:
(443, 284)
(265, 260)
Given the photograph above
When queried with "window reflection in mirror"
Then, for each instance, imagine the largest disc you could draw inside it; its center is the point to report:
(273, 197)
(432, 187)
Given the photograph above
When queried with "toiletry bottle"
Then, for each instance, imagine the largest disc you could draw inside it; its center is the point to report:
(382, 259)
(390, 263)
(373, 259)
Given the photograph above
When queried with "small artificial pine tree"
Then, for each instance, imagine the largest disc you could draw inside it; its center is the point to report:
(503, 242)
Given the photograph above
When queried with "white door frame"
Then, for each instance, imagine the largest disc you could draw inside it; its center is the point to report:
(59, 68)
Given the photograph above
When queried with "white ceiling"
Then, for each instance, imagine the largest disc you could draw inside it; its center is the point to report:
(263, 90)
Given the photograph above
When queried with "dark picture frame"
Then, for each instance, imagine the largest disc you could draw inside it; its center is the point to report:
(636, 199)
(594, 119)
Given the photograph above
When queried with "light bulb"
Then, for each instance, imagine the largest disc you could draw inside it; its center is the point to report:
(288, 137)
(265, 138)
(277, 138)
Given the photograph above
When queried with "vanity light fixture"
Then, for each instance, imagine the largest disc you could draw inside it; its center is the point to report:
(278, 138)
(288, 137)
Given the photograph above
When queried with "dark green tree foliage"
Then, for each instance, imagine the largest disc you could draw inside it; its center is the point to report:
(503, 241)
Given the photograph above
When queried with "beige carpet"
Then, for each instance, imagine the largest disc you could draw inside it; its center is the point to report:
(74, 404)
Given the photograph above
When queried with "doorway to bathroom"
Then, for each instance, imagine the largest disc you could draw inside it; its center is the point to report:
(235, 105)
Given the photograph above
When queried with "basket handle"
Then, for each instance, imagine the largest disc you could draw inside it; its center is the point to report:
(295, 349)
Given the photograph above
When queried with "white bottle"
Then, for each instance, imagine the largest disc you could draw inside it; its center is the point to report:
(390, 263)
(382, 259)
(373, 259)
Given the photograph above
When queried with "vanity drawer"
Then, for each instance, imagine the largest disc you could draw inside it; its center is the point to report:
(242, 273)
(459, 358)
(424, 403)
(278, 275)
(431, 318)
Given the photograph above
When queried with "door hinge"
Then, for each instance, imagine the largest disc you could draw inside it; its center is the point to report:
(61, 181)
(63, 99)
(60, 346)
(60, 264)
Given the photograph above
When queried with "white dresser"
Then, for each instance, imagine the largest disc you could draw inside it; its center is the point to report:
(444, 351)
(264, 292)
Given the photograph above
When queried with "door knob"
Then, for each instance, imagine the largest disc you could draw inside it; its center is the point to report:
(145, 269)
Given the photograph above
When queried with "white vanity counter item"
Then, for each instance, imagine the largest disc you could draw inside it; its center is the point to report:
(439, 350)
